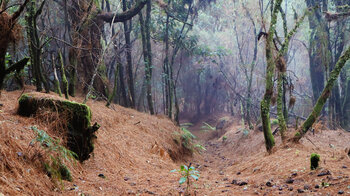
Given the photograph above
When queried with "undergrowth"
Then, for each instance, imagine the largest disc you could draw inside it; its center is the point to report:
(186, 139)
(56, 157)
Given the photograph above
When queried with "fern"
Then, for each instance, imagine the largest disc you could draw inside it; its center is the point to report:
(57, 154)
(186, 138)
(207, 127)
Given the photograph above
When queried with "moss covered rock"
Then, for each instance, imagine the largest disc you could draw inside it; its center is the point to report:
(80, 133)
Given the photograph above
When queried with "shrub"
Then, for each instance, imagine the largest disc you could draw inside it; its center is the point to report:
(314, 159)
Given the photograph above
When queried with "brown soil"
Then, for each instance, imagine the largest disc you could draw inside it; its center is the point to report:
(133, 151)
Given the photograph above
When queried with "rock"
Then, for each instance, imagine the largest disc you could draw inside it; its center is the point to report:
(102, 176)
(306, 187)
(324, 173)
(205, 165)
(238, 173)
(221, 173)
(289, 181)
(19, 154)
(269, 184)
(280, 188)
(126, 178)
(234, 182)
(344, 167)
(294, 174)
(340, 192)
(150, 192)
(300, 191)
(290, 188)
(224, 179)
(132, 184)
(317, 186)
(223, 191)
(242, 183)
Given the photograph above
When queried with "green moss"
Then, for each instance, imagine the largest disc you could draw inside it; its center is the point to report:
(297, 134)
(274, 122)
(65, 173)
(265, 116)
(314, 159)
(78, 116)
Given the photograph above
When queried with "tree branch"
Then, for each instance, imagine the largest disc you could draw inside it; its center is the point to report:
(19, 11)
(124, 16)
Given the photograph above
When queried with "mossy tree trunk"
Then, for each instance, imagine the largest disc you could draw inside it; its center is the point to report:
(16, 67)
(282, 67)
(35, 48)
(64, 78)
(270, 69)
(324, 96)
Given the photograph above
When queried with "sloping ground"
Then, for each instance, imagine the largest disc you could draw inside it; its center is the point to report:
(131, 151)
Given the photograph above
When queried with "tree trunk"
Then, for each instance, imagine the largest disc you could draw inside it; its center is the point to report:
(57, 82)
(147, 53)
(35, 46)
(168, 103)
(317, 49)
(324, 96)
(64, 78)
(270, 69)
(114, 92)
(128, 50)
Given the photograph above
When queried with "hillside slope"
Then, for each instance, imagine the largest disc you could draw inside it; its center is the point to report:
(131, 151)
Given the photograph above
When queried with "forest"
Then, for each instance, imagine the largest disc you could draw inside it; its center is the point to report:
(174, 97)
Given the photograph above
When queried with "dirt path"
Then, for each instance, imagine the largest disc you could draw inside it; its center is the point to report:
(212, 164)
